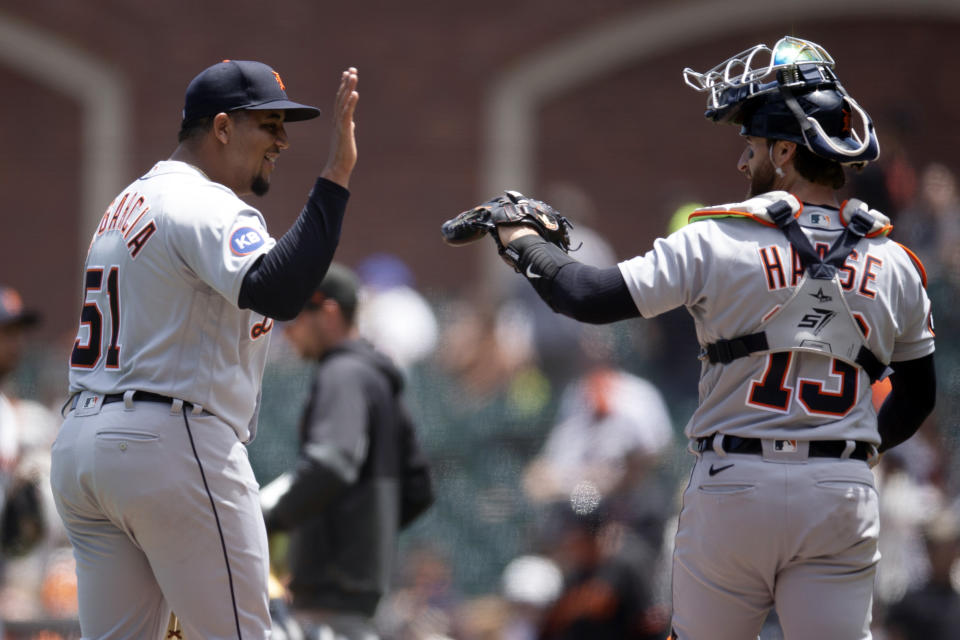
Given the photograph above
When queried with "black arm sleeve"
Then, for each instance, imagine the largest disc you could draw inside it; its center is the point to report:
(585, 293)
(281, 281)
(911, 399)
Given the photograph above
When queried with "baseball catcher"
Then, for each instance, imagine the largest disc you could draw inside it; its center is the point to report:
(801, 302)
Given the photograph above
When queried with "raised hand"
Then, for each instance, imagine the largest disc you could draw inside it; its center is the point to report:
(343, 144)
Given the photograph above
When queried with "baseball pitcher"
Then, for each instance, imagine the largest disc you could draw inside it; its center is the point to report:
(181, 288)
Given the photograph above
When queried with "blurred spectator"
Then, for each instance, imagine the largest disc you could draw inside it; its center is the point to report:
(423, 605)
(932, 610)
(906, 503)
(908, 478)
(31, 531)
(360, 476)
(484, 408)
(608, 588)
(931, 226)
(393, 315)
(612, 428)
(530, 585)
(481, 618)
(483, 347)
(890, 184)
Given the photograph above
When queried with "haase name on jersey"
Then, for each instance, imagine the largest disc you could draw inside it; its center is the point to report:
(123, 215)
(773, 263)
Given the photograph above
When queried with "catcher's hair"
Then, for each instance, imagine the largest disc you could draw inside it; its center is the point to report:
(819, 170)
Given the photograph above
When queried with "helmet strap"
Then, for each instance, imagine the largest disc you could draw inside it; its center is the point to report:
(806, 129)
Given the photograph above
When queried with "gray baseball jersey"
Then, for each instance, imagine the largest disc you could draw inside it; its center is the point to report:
(160, 502)
(184, 337)
(731, 274)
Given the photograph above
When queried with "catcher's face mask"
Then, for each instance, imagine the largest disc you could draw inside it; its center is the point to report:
(789, 92)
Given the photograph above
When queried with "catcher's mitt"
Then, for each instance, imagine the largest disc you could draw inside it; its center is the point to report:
(512, 208)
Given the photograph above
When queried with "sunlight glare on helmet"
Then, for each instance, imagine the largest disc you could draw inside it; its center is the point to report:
(794, 50)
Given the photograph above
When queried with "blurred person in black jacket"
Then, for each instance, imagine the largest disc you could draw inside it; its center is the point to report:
(360, 476)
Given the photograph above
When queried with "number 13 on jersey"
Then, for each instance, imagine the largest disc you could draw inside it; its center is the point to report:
(100, 294)
(772, 393)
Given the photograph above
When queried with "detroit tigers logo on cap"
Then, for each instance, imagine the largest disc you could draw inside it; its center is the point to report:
(245, 240)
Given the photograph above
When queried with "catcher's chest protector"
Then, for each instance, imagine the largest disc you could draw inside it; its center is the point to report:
(816, 318)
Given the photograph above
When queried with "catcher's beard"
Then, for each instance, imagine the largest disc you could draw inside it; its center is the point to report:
(762, 180)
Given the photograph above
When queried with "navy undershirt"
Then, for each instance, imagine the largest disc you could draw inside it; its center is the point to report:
(281, 281)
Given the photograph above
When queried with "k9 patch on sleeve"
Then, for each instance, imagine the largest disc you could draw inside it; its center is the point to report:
(245, 240)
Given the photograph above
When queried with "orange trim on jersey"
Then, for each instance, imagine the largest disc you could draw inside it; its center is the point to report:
(707, 213)
(723, 213)
(916, 263)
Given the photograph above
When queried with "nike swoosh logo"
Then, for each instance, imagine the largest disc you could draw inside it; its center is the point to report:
(531, 274)
(715, 470)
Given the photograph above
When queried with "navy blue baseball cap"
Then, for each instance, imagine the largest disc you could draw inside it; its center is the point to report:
(241, 84)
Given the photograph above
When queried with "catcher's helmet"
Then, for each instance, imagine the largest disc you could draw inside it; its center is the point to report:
(795, 95)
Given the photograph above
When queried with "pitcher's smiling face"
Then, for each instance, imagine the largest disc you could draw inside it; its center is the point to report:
(259, 137)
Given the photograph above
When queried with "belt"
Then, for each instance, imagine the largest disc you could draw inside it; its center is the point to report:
(138, 396)
(818, 448)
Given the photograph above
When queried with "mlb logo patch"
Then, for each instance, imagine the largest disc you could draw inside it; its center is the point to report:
(819, 220)
(785, 445)
(245, 240)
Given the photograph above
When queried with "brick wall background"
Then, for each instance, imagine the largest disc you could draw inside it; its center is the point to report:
(632, 137)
